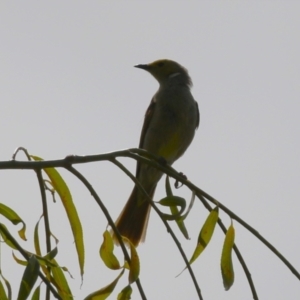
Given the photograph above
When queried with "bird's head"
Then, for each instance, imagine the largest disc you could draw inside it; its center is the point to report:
(165, 70)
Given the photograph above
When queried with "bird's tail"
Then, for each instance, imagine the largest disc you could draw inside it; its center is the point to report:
(133, 220)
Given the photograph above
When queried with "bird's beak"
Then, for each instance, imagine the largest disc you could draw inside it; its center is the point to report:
(144, 67)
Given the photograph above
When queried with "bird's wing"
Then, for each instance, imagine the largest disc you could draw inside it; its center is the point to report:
(148, 117)
(198, 115)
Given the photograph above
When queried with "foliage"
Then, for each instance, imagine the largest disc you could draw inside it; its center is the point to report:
(44, 269)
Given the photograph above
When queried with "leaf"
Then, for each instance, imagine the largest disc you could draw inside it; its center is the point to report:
(134, 271)
(43, 261)
(50, 255)
(8, 287)
(206, 233)
(29, 278)
(175, 212)
(61, 282)
(37, 246)
(226, 259)
(172, 201)
(125, 294)
(67, 201)
(6, 238)
(106, 252)
(36, 294)
(103, 293)
(183, 217)
(12, 216)
(20, 261)
(2, 292)
(58, 277)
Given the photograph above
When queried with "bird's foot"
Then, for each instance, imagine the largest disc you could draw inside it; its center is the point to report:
(179, 184)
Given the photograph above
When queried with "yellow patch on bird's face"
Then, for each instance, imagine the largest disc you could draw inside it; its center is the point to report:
(163, 68)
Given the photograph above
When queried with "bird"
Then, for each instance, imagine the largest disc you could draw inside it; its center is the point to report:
(169, 127)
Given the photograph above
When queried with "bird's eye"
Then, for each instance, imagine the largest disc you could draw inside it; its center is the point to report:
(161, 64)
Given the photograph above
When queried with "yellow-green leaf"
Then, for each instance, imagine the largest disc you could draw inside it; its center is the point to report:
(6, 238)
(106, 252)
(61, 282)
(12, 216)
(2, 292)
(179, 221)
(29, 278)
(183, 217)
(206, 233)
(67, 201)
(226, 259)
(36, 294)
(51, 254)
(47, 260)
(134, 271)
(103, 293)
(173, 201)
(134, 265)
(37, 239)
(8, 286)
(38, 248)
(175, 212)
(125, 294)
(20, 261)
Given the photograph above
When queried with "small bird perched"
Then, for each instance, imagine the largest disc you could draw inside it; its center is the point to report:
(169, 127)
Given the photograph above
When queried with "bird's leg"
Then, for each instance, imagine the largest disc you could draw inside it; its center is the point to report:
(179, 184)
(162, 161)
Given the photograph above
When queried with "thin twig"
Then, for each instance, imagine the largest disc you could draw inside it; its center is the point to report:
(109, 219)
(46, 221)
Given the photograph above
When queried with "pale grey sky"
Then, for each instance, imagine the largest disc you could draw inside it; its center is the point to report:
(68, 86)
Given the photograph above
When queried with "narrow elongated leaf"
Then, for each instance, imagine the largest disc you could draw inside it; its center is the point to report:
(61, 282)
(183, 217)
(106, 252)
(38, 248)
(29, 278)
(173, 201)
(134, 271)
(43, 261)
(103, 293)
(36, 238)
(6, 238)
(125, 294)
(36, 294)
(8, 287)
(134, 265)
(12, 216)
(206, 233)
(58, 277)
(2, 292)
(20, 261)
(67, 201)
(175, 212)
(50, 255)
(226, 259)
